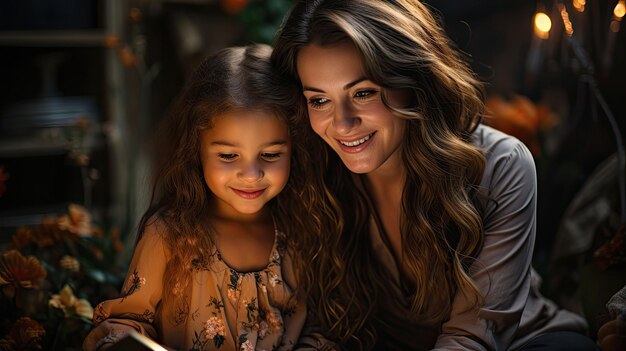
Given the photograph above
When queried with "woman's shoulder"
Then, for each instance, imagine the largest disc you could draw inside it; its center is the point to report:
(495, 143)
(508, 159)
(498, 146)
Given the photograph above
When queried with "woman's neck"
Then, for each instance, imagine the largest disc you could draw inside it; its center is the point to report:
(386, 186)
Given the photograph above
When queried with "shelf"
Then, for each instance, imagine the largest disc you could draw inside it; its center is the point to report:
(53, 38)
(36, 145)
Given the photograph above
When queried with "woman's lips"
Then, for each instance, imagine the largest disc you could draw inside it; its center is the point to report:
(356, 145)
(248, 194)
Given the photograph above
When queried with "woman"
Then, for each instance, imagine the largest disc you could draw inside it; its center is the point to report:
(436, 212)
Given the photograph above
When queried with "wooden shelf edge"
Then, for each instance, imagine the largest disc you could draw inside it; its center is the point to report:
(64, 38)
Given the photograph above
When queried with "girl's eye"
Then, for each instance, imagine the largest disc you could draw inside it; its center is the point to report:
(317, 103)
(270, 156)
(365, 94)
(227, 157)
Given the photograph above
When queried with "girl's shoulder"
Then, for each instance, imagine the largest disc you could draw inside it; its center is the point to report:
(154, 232)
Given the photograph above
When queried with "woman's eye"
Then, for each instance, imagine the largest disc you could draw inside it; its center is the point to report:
(365, 94)
(317, 103)
(270, 156)
(227, 157)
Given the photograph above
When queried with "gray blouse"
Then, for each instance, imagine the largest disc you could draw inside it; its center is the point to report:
(514, 310)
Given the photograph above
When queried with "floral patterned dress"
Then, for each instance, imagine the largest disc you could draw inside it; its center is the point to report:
(222, 310)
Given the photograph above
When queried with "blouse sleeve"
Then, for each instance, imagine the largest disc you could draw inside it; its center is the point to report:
(502, 270)
(311, 338)
(141, 294)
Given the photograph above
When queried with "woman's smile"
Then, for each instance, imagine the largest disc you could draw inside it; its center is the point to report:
(356, 144)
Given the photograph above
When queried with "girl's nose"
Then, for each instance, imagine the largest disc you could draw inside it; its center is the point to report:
(251, 172)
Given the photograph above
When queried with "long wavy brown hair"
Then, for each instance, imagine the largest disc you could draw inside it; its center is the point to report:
(402, 46)
(233, 78)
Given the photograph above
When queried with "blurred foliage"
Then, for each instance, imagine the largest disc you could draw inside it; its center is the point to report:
(51, 275)
(262, 18)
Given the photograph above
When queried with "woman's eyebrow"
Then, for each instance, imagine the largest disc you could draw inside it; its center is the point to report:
(345, 87)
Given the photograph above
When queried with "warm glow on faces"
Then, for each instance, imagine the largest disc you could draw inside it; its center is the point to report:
(346, 109)
(245, 160)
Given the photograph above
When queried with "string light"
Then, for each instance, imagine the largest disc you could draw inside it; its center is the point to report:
(542, 25)
(619, 10)
(569, 29)
(579, 5)
(618, 14)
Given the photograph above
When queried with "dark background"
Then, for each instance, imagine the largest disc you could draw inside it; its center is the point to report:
(126, 60)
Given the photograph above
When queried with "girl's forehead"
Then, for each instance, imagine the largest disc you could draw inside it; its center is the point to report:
(241, 125)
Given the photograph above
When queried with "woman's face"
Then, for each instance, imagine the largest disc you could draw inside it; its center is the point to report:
(346, 109)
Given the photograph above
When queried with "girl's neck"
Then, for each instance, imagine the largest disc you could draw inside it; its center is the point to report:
(233, 216)
(254, 238)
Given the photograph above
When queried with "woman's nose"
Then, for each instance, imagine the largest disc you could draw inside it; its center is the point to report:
(251, 171)
(345, 118)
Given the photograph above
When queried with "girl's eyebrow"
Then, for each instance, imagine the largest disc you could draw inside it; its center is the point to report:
(345, 87)
(276, 142)
(231, 144)
(223, 143)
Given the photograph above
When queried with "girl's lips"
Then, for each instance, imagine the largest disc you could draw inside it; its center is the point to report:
(247, 194)
(361, 144)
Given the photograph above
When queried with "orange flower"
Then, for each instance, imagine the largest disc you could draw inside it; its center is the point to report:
(7, 344)
(111, 41)
(135, 15)
(23, 237)
(115, 238)
(27, 334)
(233, 6)
(82, 122)
(77, 221)
(521, 118)
(48, 232)
(20, 271)
(127, 57)
(79, 158)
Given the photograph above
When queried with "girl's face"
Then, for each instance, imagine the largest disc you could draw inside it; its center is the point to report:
(346, 109)
(245, 160)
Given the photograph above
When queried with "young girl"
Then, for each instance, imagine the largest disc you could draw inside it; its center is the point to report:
(211, 269)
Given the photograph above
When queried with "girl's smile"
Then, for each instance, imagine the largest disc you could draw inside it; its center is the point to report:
(248, 194)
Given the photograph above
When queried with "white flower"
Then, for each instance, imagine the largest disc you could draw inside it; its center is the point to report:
(66, 301)
(263, 327)
(213, 327)
(247, 346)
(233, 294)
(274, 280)
(275, 321)
(70, 263)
